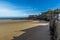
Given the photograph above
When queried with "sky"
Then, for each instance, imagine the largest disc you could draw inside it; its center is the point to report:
(23, 8)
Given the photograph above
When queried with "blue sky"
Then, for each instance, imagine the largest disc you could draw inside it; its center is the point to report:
(23, 8)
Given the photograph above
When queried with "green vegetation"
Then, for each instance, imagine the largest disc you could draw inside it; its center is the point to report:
(45, 15)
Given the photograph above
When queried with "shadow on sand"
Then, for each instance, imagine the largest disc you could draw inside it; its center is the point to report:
(34, 33)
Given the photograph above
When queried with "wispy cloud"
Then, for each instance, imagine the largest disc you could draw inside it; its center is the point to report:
(9, 10)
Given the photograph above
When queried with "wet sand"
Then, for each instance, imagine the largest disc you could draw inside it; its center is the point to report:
(35, 33)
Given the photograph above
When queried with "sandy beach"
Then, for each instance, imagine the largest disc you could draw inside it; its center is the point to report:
(11, 28)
